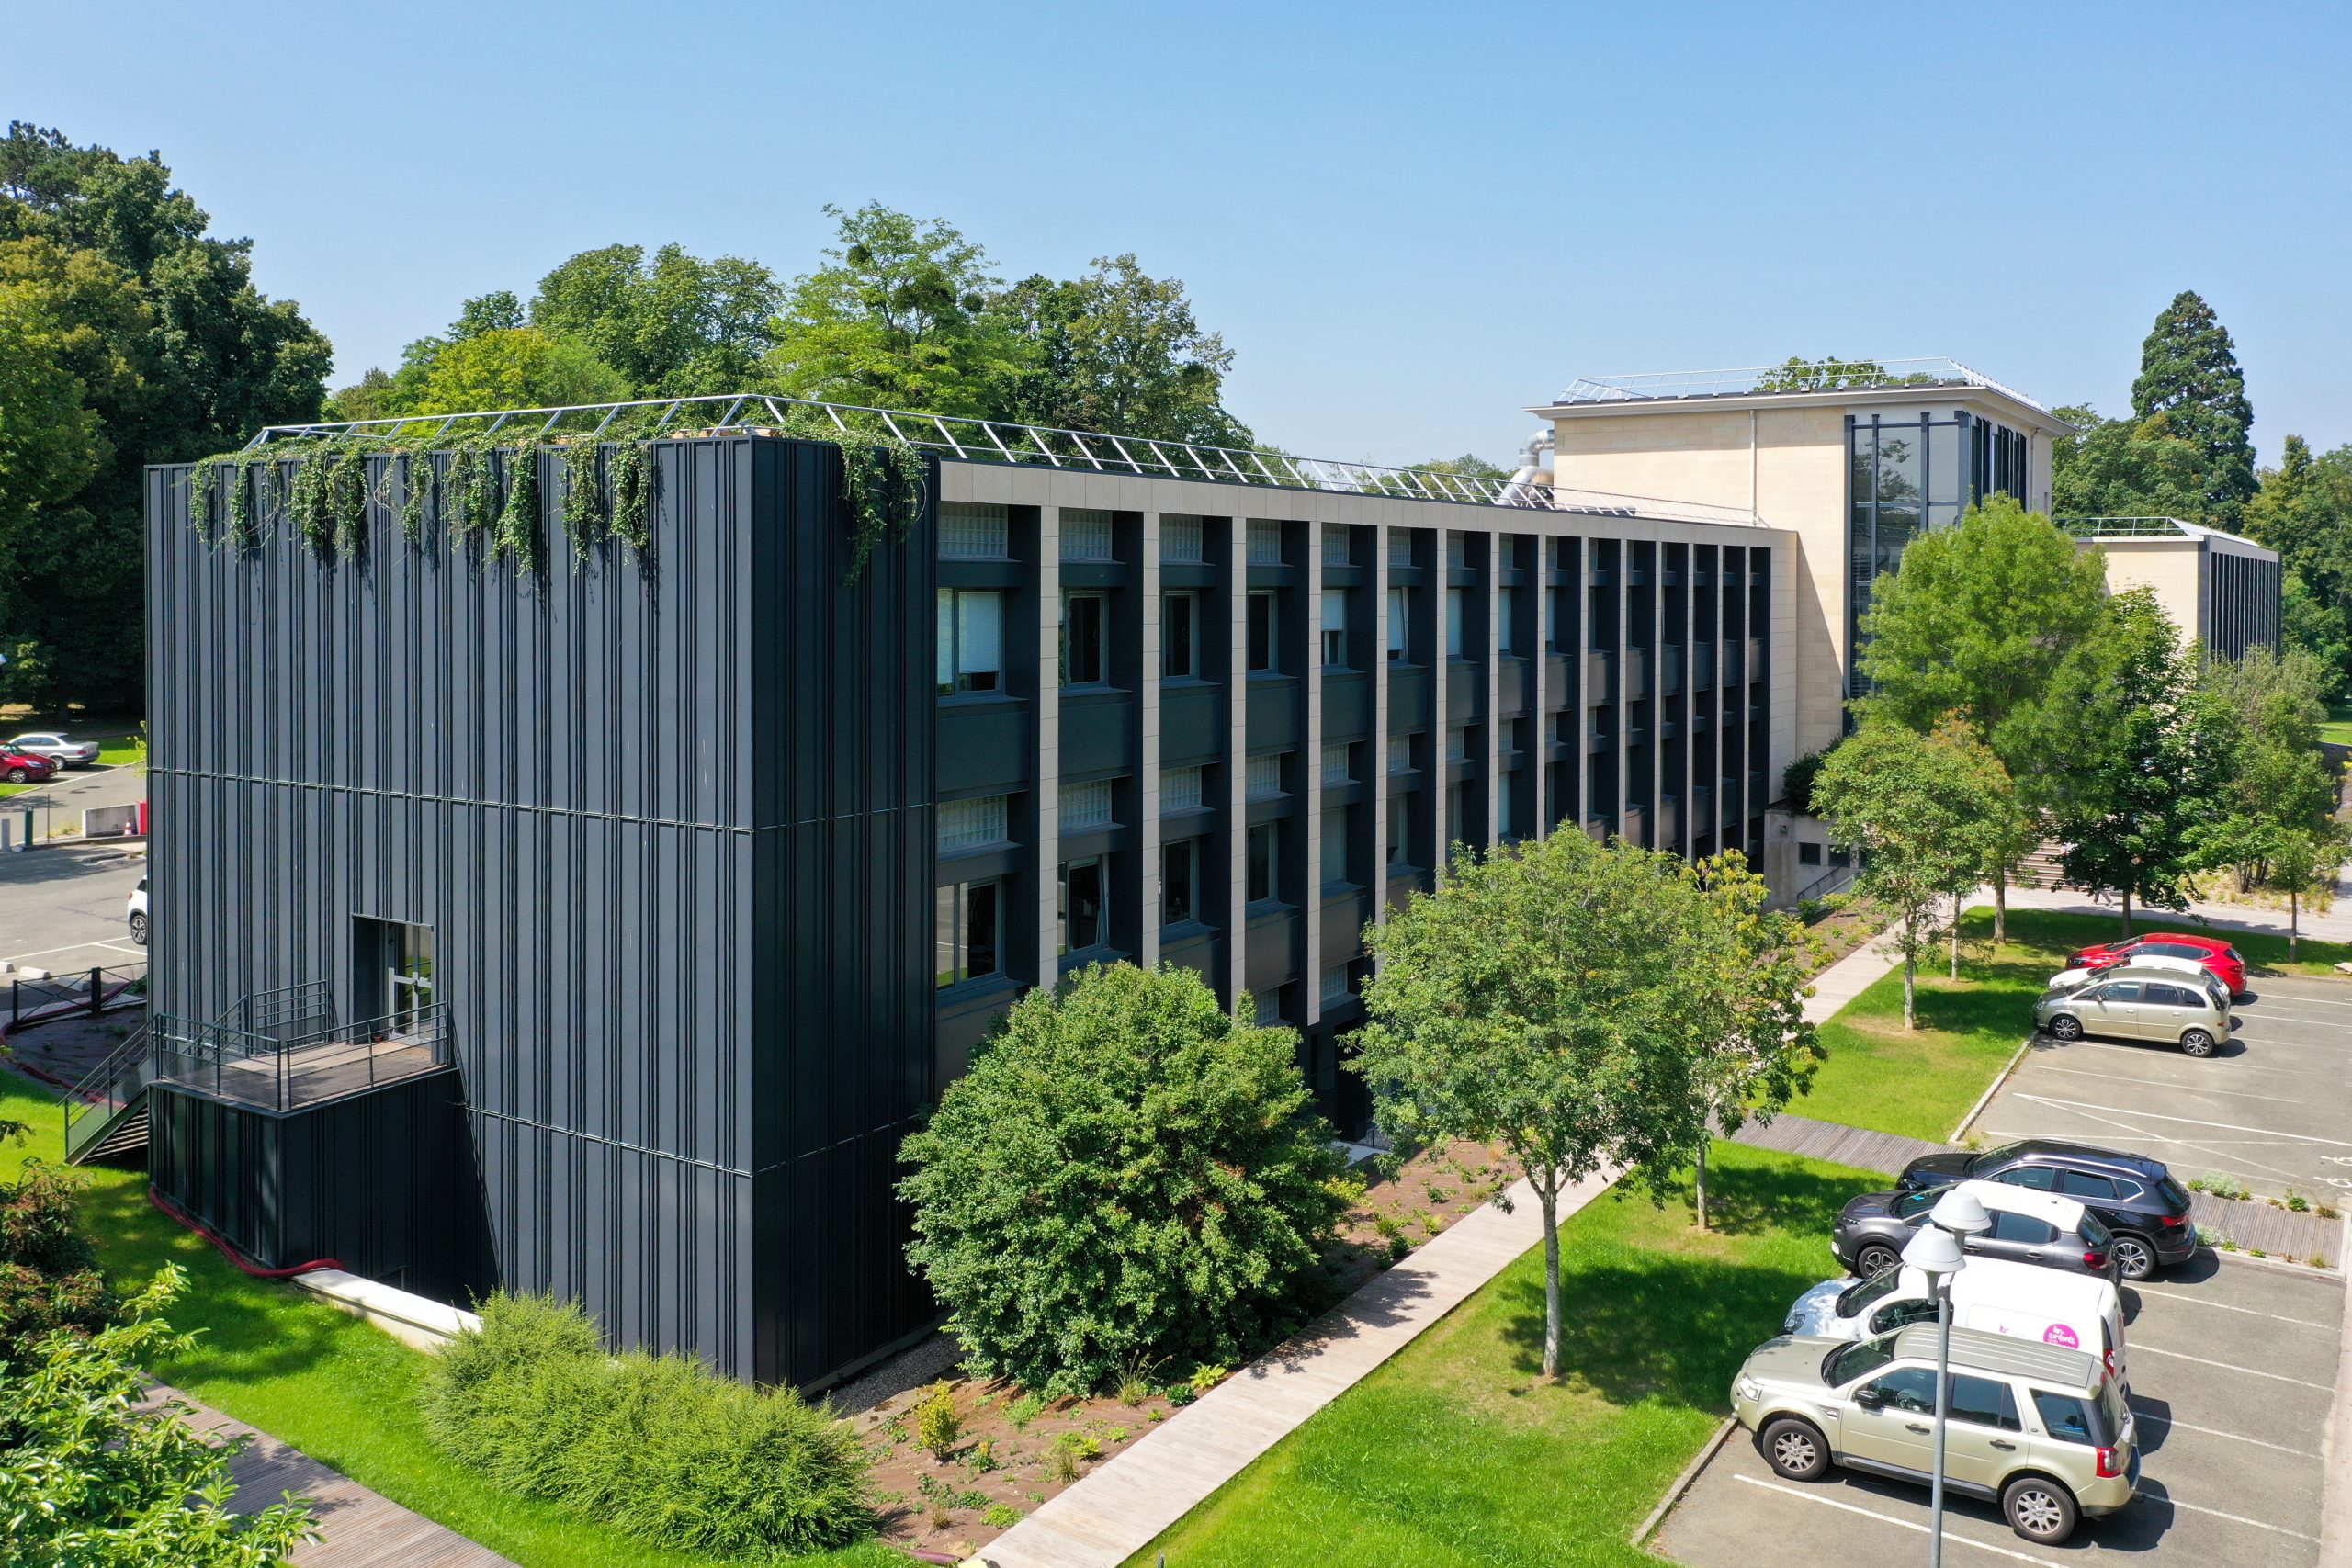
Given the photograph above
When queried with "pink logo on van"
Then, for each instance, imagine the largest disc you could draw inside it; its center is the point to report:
(2059, 1333)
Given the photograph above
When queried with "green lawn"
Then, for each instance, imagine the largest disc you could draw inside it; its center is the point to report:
(1456, 1451)
(338, 1390)
(1921, 1084)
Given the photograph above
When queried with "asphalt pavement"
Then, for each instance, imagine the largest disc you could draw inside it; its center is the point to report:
(62, 909)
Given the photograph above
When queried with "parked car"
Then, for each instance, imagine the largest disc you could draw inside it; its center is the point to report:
(2043, 1432)
(47, 743)
(138, 913)
(2158, 966)
(2125, 1004)
(2133, 1196)
(2213, 953)
(24, 767)
(2074, 1312)
(2027, 1227)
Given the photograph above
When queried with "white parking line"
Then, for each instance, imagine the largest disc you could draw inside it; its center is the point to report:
(2203, 1145)
(2169, 1083)
(2142, 1347)
(2169, 1422)
(2236, 1065)
(2290, 998)
(1950, 1538)
(2226, 1306)
(2187, 1121)
(2234, 1519)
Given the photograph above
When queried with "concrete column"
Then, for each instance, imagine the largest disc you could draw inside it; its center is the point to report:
(1490, 764)
(1437, 790)
(1310, 959)
(1047, 913)
(1147, 579)
(1237, 751)
(1377, 749)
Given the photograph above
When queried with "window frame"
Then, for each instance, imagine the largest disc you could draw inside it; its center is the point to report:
(961, 681)
(1180, 605)
(1098, 604)
(1262, 854)
(955, 899)
(1100, 866)
(1262, 632)
(1185, 852)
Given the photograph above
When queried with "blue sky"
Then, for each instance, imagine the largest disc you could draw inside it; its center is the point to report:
(1408, 220)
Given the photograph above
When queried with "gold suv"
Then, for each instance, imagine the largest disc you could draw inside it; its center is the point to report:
(2128, 1003)
(2043, 1432)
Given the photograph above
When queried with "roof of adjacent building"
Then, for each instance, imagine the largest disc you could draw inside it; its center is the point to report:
(1812, 381)
(2150, 528)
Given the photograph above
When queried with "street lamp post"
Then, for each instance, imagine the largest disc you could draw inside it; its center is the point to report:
(1936, 1252)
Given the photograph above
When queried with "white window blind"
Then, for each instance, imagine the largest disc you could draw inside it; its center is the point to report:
(1335, 985)
(1179, 540)
(1457, 551)
(972, 530)
(971, 824)
(1265, 544)
(1086, 807)
(1086, 534)
(1180, 789)
(1335, 546)
(1265, 776)
(1335, 763)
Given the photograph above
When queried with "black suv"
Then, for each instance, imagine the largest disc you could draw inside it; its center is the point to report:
(2134, 1196)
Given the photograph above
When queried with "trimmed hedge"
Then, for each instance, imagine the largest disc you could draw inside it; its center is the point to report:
(654, 1444)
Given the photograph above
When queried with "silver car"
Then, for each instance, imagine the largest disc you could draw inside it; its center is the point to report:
(2131, 1003)
(50, 743)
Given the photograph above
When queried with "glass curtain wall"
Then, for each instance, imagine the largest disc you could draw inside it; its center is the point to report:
(1908, 475)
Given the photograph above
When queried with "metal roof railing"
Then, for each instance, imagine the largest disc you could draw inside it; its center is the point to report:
(2124, 528)
(1815, 376)
(997, 441)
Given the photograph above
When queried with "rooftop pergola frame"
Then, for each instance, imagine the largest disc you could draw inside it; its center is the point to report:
(991, 441)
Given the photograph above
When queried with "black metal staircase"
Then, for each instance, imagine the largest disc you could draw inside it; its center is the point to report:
(106, 1113)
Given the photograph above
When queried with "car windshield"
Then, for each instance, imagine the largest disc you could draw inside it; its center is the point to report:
(1858, 1298)
(1859, 1359)
(1993, 1157)
(1912, 1204)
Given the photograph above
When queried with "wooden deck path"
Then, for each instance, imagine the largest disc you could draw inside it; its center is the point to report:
(1857, 1146)
(358, 1528)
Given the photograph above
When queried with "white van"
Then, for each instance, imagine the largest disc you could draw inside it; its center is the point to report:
(2024, 1301)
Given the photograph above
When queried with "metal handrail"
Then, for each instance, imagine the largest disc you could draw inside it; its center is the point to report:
(967, 439)
(209, 1055)
(1858, 374)
(109, 1086)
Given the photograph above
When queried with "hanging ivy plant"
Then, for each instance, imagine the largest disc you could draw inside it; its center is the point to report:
(882, 482)
(416, 494)
(632, 497)
(517, 530)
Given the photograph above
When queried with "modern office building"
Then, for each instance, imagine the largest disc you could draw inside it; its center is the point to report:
(2221, 588)
(604, 930)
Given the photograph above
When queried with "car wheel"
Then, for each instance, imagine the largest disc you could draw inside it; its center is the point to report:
(17, 775)
(138, 930)
(1875, 1259)
(2065, 1026)
(1795, 1449)
(2133, 1256)
(2197, 1043)
(2040, 1510)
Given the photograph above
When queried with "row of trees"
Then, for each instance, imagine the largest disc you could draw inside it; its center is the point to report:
(2014, 700)
(1130, 1176)
(2186, 451)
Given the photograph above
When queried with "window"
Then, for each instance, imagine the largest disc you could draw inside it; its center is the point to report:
(1555, 601)
(1266, 776)
(1506, 621)
(1457, 743)
(1081, 904)
(1911, 1390)
(972, 531)
(1086, 535)
(2084, 1185)
(966, 926)
(1457, 813)
(1987, 1401)
(1901, 1314)
(1335, 845)
(1180, 789)
(1506, 827)
(1335, 546)
(1180, 629)
(1086, 807)
(1457, 552)
(1336, 988)
(972, 823)
(1082, 662)
(1399, 602)
(1181, 541)
(1335, 628)
(1457, 608)
(1337, 765)
(1265, 544)
(1179, 867)
(2171, 997)
(1263, 857)
(1808, 854)
(2023, 1229)
(971, 640)
(2122, 991)
(2039, 1177)
(2065, 1416)
(1395, 826)
(1267, 1008)
(1262, 631)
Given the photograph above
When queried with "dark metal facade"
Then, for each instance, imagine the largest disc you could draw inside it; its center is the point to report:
(652, 815)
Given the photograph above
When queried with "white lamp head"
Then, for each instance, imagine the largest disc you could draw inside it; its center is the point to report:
(1961, 1212)
(1934, 1252)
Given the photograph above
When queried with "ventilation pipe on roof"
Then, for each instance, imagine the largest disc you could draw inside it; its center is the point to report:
(1535, 468)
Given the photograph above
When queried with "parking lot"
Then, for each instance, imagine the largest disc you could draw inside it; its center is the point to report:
(2233, 1367)
(2273, 1108)
(61, 911)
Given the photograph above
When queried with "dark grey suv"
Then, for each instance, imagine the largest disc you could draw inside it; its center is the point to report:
(2135, 1197)
(2027, 1227)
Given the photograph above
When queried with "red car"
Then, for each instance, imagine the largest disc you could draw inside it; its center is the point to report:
(2216, 955)
(24, 767)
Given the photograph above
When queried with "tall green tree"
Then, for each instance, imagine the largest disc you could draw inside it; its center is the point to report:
(2152, 762)
(515, 367)
(1978, 621)
(1119, 351)
(2304, 512)
(676, 326)
(194, 358)
(1922, 812)
(2125, 467)
(2280, 800)
(1565, 1001)
(2189, 373)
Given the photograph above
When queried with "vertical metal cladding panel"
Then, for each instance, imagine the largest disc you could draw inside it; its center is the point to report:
(842, 1016)
(551, 770)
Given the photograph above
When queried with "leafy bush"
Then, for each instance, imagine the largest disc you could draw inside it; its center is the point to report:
(1024, 1410)
(937, 1421)
(654, 1445)
(49, 1271)
(1205, 1377)
(1127, 1173)
(1797, 780)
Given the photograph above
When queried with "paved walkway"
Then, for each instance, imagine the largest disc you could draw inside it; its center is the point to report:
(2335, 925)
(1118, 1510)
(1837, 1143)
(358, 1528)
